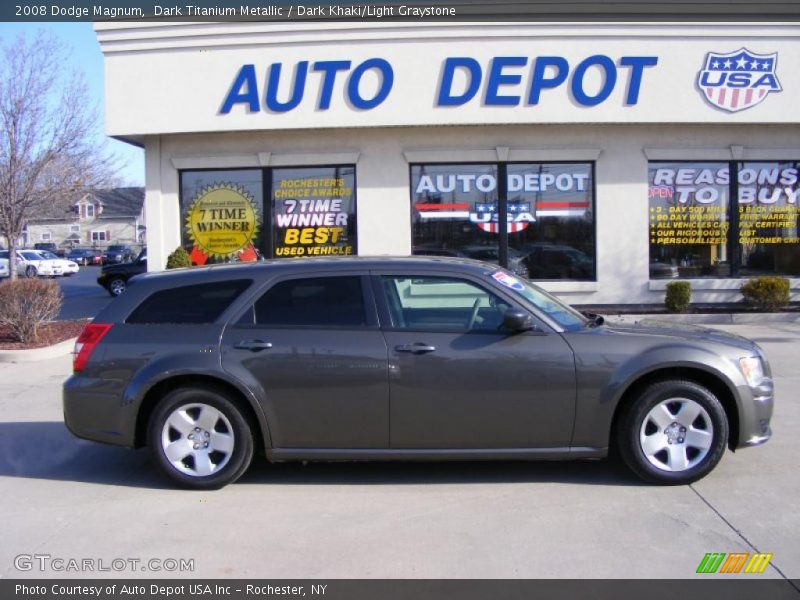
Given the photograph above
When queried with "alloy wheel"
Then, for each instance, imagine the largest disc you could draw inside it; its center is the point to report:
(116, 286)
(197, 439)
(676, 434)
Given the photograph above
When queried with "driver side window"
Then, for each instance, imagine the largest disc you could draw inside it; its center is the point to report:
(442, 304)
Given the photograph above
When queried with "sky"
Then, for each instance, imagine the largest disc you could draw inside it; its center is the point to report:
(85, 55)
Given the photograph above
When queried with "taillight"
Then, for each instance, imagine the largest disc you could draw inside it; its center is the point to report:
(90, 336)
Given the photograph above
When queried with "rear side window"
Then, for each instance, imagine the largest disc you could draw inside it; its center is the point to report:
(313, 302)
(202, 303)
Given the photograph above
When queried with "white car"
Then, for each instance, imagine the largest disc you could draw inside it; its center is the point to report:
(4, 272)
(68, 267)
(32, 264)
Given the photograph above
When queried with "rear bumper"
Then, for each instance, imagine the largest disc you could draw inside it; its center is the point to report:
(94, 412)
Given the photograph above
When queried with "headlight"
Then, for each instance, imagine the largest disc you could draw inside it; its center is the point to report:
(753, 370)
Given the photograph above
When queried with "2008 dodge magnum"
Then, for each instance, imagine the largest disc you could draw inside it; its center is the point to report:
(401, 358)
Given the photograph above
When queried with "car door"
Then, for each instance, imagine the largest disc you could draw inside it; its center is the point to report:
(458, 380)
(312, 346)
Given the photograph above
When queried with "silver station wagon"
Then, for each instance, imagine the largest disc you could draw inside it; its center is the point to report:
(402, 358)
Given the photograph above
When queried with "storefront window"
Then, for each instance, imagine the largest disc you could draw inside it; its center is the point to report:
(688, 209)
(309, 211)
(549, 208)
(313, 211)
(452, 210)
(222, 215)
(558, 243)
(768, 218)
(696, 232)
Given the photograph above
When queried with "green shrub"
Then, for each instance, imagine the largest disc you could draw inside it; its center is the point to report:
(178, 259)
(767, 293)
(27, 303)
(679, 295)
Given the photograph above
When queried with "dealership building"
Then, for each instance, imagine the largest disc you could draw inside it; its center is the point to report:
(602, 160)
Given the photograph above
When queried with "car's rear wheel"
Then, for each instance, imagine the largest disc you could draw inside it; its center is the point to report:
(200, 439)
(674, 433)
(30, 271)
(117, 286)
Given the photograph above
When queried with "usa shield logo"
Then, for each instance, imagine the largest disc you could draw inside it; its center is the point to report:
(738, 80)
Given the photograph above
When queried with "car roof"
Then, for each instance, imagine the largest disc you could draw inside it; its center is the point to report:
(300, 265)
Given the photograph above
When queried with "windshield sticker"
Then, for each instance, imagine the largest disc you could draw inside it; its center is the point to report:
(508, 281)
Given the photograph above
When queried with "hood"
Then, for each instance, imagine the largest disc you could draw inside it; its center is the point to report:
(683, 331)
(118, 268)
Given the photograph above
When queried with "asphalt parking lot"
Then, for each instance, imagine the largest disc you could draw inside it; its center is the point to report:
(83, 298)
(68, 498)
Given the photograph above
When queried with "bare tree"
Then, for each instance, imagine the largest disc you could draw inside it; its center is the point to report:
(50, 150)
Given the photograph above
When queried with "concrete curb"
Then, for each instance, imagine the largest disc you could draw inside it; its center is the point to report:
(34, 354)
(711, 319)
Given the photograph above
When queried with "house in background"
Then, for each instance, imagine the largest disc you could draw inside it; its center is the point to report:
(97, 219)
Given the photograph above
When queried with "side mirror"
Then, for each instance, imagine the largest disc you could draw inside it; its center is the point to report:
(517, 320)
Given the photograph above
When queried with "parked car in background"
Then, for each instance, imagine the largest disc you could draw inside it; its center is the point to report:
(492, 254)
(402, 358)
(4, 272)
(50, 247)
(86, 256)
(114, 278)
(550, 261)
(660, 270)
(68, 267)
(117, 254)
(32, 264)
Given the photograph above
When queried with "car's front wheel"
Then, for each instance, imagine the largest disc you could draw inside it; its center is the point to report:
(200, 438)
(674, 433)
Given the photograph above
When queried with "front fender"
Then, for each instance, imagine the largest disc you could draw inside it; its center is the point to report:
(601, 385)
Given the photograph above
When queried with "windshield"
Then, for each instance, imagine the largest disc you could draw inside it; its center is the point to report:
(116, 248)
(563, 314)
(47, 254)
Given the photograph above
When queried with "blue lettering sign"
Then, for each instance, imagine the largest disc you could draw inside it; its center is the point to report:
(329, 68)
(387, 81)
(473, 68)
(504, 85)
(538, 80)
(245, 78)
(498, 78)
(298, 87)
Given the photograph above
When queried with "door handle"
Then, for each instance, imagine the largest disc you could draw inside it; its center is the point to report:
(418, 348)
(253, 345)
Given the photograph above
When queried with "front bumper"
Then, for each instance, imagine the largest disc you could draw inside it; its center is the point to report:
(755, 413)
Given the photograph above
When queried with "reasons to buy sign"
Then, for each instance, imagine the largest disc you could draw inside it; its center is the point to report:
(688, 205)
(222, 220)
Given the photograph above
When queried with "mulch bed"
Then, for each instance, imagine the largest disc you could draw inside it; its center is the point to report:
(49, 334)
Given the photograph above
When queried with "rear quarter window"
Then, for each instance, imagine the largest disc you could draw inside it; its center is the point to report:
(189, 304)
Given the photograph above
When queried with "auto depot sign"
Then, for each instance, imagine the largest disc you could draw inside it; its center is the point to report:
(502, 81)
(406, 78)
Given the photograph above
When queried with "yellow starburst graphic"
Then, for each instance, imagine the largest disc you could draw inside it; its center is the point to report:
(222, 219)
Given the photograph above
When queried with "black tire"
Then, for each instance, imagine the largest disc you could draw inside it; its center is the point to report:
(117, 286)
(234, 463)
(30, 271)
(637, 425)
